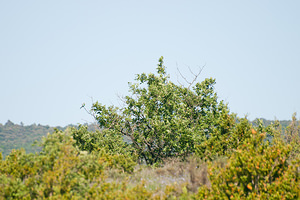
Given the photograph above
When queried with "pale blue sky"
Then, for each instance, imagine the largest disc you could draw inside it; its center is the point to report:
(56, 55)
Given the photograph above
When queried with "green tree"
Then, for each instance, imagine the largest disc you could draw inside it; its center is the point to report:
(163, 119)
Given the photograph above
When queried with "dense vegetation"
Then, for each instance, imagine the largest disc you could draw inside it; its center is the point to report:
(184, 144)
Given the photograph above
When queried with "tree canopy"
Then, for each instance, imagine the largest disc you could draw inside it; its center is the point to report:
(163, 119)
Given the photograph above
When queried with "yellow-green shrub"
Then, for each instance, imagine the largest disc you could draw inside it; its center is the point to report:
(256, 170)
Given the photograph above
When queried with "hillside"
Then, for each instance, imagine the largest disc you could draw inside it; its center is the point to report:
(283, 123)
(16, 136)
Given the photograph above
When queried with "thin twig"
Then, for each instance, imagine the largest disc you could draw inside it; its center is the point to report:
(185, 79)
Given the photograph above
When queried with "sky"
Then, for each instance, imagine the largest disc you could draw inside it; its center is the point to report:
(56, 55)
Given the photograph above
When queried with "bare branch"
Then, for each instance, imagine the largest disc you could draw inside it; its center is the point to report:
(192, 71)
(183, 76)
(194, 74)
(179, 82)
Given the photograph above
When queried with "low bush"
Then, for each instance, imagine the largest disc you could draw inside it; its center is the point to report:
(256, 170)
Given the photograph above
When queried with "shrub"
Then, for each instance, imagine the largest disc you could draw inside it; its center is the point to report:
(107, 144)
(59, 171)
(256, 170)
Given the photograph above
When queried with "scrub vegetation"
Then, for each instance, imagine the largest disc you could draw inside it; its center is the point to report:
(168, 141)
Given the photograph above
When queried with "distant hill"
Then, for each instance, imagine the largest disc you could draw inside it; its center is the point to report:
(16, 136)
(284, 123)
